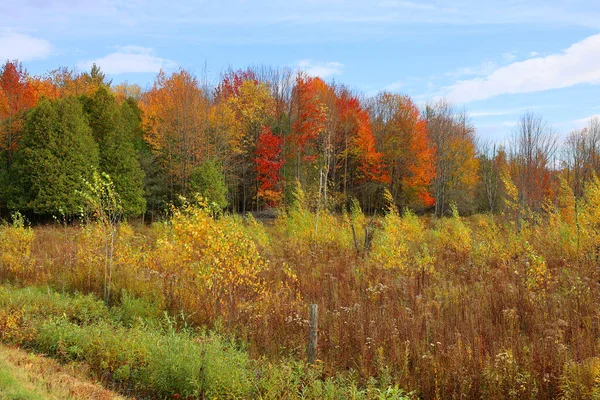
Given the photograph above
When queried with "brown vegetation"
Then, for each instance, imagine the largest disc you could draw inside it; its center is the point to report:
(479, 307)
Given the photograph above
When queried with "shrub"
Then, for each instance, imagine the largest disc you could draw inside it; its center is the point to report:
(216, 260)
(154, 358)
(16, 260)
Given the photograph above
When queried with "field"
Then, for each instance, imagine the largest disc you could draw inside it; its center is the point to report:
(409, 307)
(306, 200)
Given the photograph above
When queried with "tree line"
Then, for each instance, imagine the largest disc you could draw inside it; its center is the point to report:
(248, 142)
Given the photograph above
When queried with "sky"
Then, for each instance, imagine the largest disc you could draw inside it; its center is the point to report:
(496, 59)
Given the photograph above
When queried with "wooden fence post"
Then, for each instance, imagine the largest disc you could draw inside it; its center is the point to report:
(313, 329)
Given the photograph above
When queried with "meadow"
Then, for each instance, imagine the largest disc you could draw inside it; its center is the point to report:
(216, 306)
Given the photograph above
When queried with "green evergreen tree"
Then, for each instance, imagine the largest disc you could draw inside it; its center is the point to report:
(113, 131)
(96, 77)
(58, 152)
(5, 185)
(156, 190)
(209, 182)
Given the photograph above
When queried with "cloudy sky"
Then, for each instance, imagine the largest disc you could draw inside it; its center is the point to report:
(495, 60)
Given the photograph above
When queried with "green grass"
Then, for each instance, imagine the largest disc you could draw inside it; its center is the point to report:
(14, 386)
(135, 349)
(25, 375)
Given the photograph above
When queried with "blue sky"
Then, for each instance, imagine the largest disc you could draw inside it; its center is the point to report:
(496, 59)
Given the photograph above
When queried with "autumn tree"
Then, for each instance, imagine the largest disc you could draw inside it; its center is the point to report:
(532, 150)
(456, 165)
(221, 127)
(309, 143)
(280, 81)
(175, 122)
(125, 90)
(3, 102)
(401, 136)
(67, 82)
(268, 166)
(16, 96)
(312, 148)
(332, 145)
(252, 108)
(492, 162)
(359, 167)
(582, 156)
(43, 86)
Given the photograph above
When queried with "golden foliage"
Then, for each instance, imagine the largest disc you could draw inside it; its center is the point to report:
(16, 260)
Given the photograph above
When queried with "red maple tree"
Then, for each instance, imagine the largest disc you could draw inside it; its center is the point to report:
(268, 166)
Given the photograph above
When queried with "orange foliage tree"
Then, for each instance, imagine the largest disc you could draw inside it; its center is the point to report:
(175, 121)
(358, 163)
(67, 82)
(310, 148)
(401, 135)
(456, 174)
(310, 117)
(331, 134)
(43, 86)
(3, 102)
(16, 96)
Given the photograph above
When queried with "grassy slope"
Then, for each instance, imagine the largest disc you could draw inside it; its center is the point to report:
(32, 377)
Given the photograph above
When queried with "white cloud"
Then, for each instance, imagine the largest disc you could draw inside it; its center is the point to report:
(496, 113)
(320, 69)
(482, 69)
(491, 113)
(509, 57)
(23, 47)
(129, 59)
(575, 65)
(394, 87)
(583, 122)
(406, 4)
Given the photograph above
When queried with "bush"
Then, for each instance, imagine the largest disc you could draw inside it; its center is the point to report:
(150, 360)
(153, 358)
(156, 359)
(16, 261)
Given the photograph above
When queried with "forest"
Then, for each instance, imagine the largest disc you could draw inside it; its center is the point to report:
(246, 143)
(169, 241)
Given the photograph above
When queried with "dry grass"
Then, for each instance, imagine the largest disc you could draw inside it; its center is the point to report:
(453, 308)
(35, 376)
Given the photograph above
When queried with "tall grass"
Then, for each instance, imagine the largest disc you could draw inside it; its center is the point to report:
(478, 307)
(155, 356)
